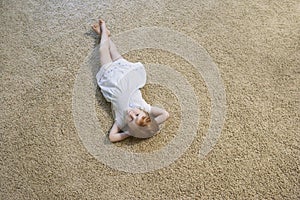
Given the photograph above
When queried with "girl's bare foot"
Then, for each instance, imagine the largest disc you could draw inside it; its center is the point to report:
(97, 29)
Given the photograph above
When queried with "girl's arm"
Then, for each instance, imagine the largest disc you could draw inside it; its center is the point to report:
(115, 135)
(160, 115)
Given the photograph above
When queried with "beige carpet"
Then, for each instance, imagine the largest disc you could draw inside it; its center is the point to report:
(255, 46)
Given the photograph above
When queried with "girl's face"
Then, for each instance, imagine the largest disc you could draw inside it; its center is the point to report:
(134, 115)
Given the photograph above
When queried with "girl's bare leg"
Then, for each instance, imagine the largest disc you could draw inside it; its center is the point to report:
(105, 56)
(114, 54)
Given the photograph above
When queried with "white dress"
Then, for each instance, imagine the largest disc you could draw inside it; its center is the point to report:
(120, 83)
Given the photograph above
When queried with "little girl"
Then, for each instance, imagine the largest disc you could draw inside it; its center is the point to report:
(120, 82)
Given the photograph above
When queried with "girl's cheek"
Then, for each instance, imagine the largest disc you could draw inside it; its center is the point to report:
(128, 118)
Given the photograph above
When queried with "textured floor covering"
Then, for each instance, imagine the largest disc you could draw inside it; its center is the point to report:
(256, 47)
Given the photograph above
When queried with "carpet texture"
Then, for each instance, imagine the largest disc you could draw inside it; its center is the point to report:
(254, 45)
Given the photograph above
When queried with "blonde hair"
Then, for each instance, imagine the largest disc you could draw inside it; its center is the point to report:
(146, 127)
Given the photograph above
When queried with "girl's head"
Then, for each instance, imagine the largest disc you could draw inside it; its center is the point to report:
(141, 124)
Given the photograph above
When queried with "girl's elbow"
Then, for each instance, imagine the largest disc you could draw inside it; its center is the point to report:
(112, 138)
(167, 115)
